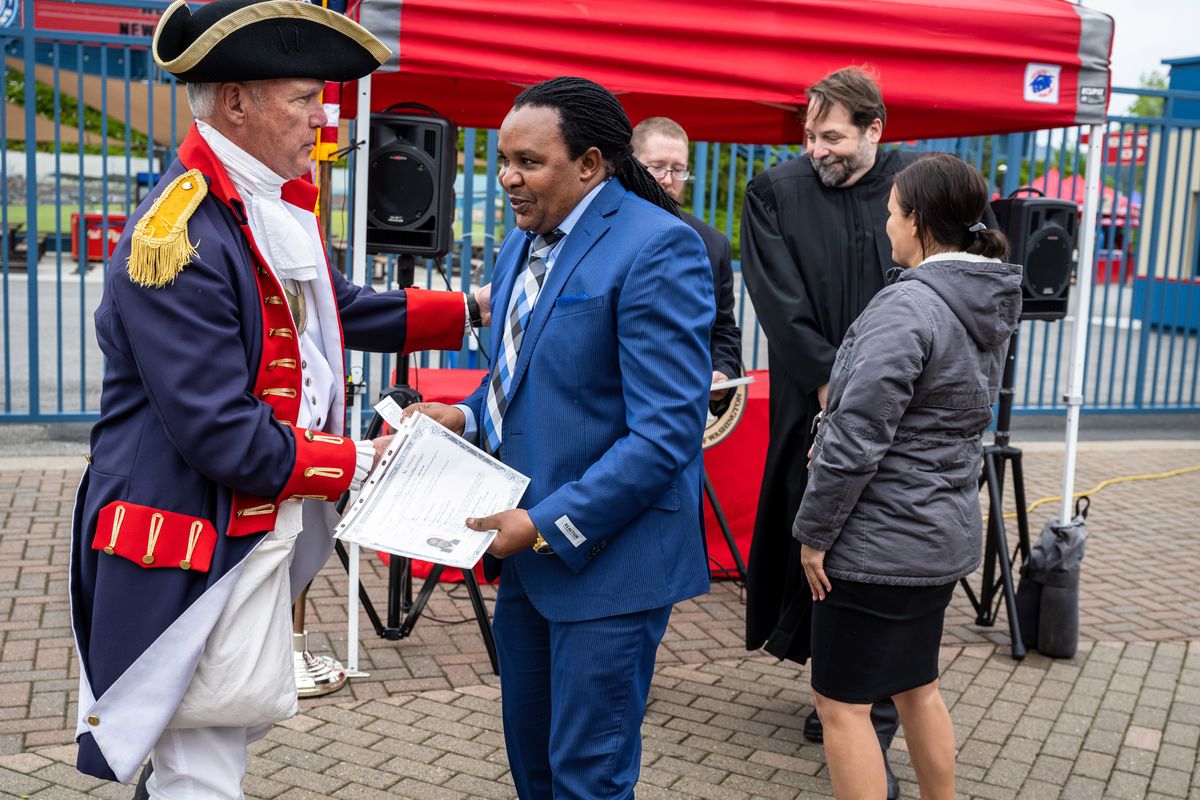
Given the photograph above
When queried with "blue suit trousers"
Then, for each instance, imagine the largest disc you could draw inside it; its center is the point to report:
(574, 695)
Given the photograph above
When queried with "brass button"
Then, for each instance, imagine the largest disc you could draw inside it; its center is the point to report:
(108, 551)
(93, 720)
(308, 435)
(185, 564)
(147, 559)
(187, 186)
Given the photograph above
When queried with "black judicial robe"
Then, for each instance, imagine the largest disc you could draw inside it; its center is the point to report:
(812, 258)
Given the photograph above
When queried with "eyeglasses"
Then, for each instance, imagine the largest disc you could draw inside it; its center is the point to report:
(676, 174)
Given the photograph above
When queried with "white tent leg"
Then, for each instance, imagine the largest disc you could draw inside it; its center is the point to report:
(358, 274)
(1083, 311)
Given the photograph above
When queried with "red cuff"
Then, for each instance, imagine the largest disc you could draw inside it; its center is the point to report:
(436, 320)
(324, 466)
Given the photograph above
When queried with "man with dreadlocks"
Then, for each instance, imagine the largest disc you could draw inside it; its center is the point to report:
(599, 383)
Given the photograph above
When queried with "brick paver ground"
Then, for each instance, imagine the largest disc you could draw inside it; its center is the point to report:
(1120, 720)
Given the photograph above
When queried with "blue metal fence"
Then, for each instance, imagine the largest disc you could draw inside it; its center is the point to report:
(105, 124)
(77, 157)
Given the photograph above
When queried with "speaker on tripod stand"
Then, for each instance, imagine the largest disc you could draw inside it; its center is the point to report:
(410, 190)
(410, 181)
(1041, 232)
(410, 212)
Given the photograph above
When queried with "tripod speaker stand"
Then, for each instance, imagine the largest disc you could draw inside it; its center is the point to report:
(403, 610)
(997, 582)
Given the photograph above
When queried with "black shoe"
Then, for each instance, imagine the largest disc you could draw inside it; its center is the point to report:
(813, 730)
(141, 793)
(893, 785)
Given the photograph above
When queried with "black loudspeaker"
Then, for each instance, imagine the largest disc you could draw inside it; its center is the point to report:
(1042, 233)
(410, 182)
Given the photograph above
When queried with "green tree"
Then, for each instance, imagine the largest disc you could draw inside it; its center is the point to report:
(1145, 105)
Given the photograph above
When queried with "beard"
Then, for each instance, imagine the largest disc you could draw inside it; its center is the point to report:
(834, 171)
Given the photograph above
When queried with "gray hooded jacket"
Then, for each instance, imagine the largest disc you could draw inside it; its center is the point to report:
(893, 492)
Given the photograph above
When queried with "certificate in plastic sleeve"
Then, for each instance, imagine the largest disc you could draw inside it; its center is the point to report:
(416, 502)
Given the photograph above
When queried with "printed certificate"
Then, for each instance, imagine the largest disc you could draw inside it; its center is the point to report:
(416, 502)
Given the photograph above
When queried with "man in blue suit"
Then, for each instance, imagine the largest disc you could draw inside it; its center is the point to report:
(598, 392)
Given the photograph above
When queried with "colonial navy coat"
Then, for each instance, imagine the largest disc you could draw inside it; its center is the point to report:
(196, 447)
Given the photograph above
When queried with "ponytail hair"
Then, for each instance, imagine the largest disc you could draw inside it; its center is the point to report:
(949, 198)
(990, 243)
(590, 116)
(638, 180)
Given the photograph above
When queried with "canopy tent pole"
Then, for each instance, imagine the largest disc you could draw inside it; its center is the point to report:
(358, 275)
(1083, 309)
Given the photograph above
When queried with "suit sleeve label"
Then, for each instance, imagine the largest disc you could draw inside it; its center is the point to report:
(570, 531)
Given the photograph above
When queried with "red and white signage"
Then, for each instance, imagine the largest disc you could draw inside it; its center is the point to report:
(56, 15)
(1124, 147)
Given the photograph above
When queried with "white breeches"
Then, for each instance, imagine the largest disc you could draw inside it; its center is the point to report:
(201, 763)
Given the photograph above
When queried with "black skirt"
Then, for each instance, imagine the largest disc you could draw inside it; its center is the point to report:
(871, 641)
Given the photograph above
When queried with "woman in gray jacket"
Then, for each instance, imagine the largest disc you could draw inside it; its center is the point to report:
(891, 517)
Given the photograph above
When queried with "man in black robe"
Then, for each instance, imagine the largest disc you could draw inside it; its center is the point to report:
(661, 144)
(814, 253)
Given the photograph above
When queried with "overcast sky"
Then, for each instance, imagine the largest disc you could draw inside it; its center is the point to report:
(1147, 31)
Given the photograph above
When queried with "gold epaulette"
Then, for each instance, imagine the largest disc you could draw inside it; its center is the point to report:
(160, 248)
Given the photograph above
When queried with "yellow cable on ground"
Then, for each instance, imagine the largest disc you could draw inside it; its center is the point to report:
(1110, 482)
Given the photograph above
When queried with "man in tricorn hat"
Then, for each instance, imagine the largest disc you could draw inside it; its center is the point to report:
(219, 446)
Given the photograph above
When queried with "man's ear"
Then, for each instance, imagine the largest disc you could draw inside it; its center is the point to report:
(232, 99)
(875, 131)
(591, 162)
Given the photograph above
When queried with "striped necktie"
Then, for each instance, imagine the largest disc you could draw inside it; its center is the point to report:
(514, 331)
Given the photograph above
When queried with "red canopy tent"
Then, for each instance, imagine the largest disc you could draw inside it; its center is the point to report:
(737, 70)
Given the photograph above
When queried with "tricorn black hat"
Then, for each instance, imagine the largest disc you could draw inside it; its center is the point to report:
(248, 40)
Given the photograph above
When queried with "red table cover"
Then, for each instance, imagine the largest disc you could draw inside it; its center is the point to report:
(735, 466)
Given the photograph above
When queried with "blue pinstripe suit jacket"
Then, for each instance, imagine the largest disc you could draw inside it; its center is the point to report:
(607, 410)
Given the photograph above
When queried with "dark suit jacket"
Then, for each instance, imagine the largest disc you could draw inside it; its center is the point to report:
(725, 342)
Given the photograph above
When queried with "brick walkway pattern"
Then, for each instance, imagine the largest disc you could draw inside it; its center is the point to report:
(1120, 720)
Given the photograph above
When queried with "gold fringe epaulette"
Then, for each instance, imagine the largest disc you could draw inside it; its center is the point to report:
(160, 248)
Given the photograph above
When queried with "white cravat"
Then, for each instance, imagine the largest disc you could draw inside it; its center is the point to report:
(280, 237)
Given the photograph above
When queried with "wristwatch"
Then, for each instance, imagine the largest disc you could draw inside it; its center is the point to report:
(473, 312)
(540, 545)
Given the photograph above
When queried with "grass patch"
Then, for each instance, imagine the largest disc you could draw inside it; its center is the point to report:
(46, 224)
